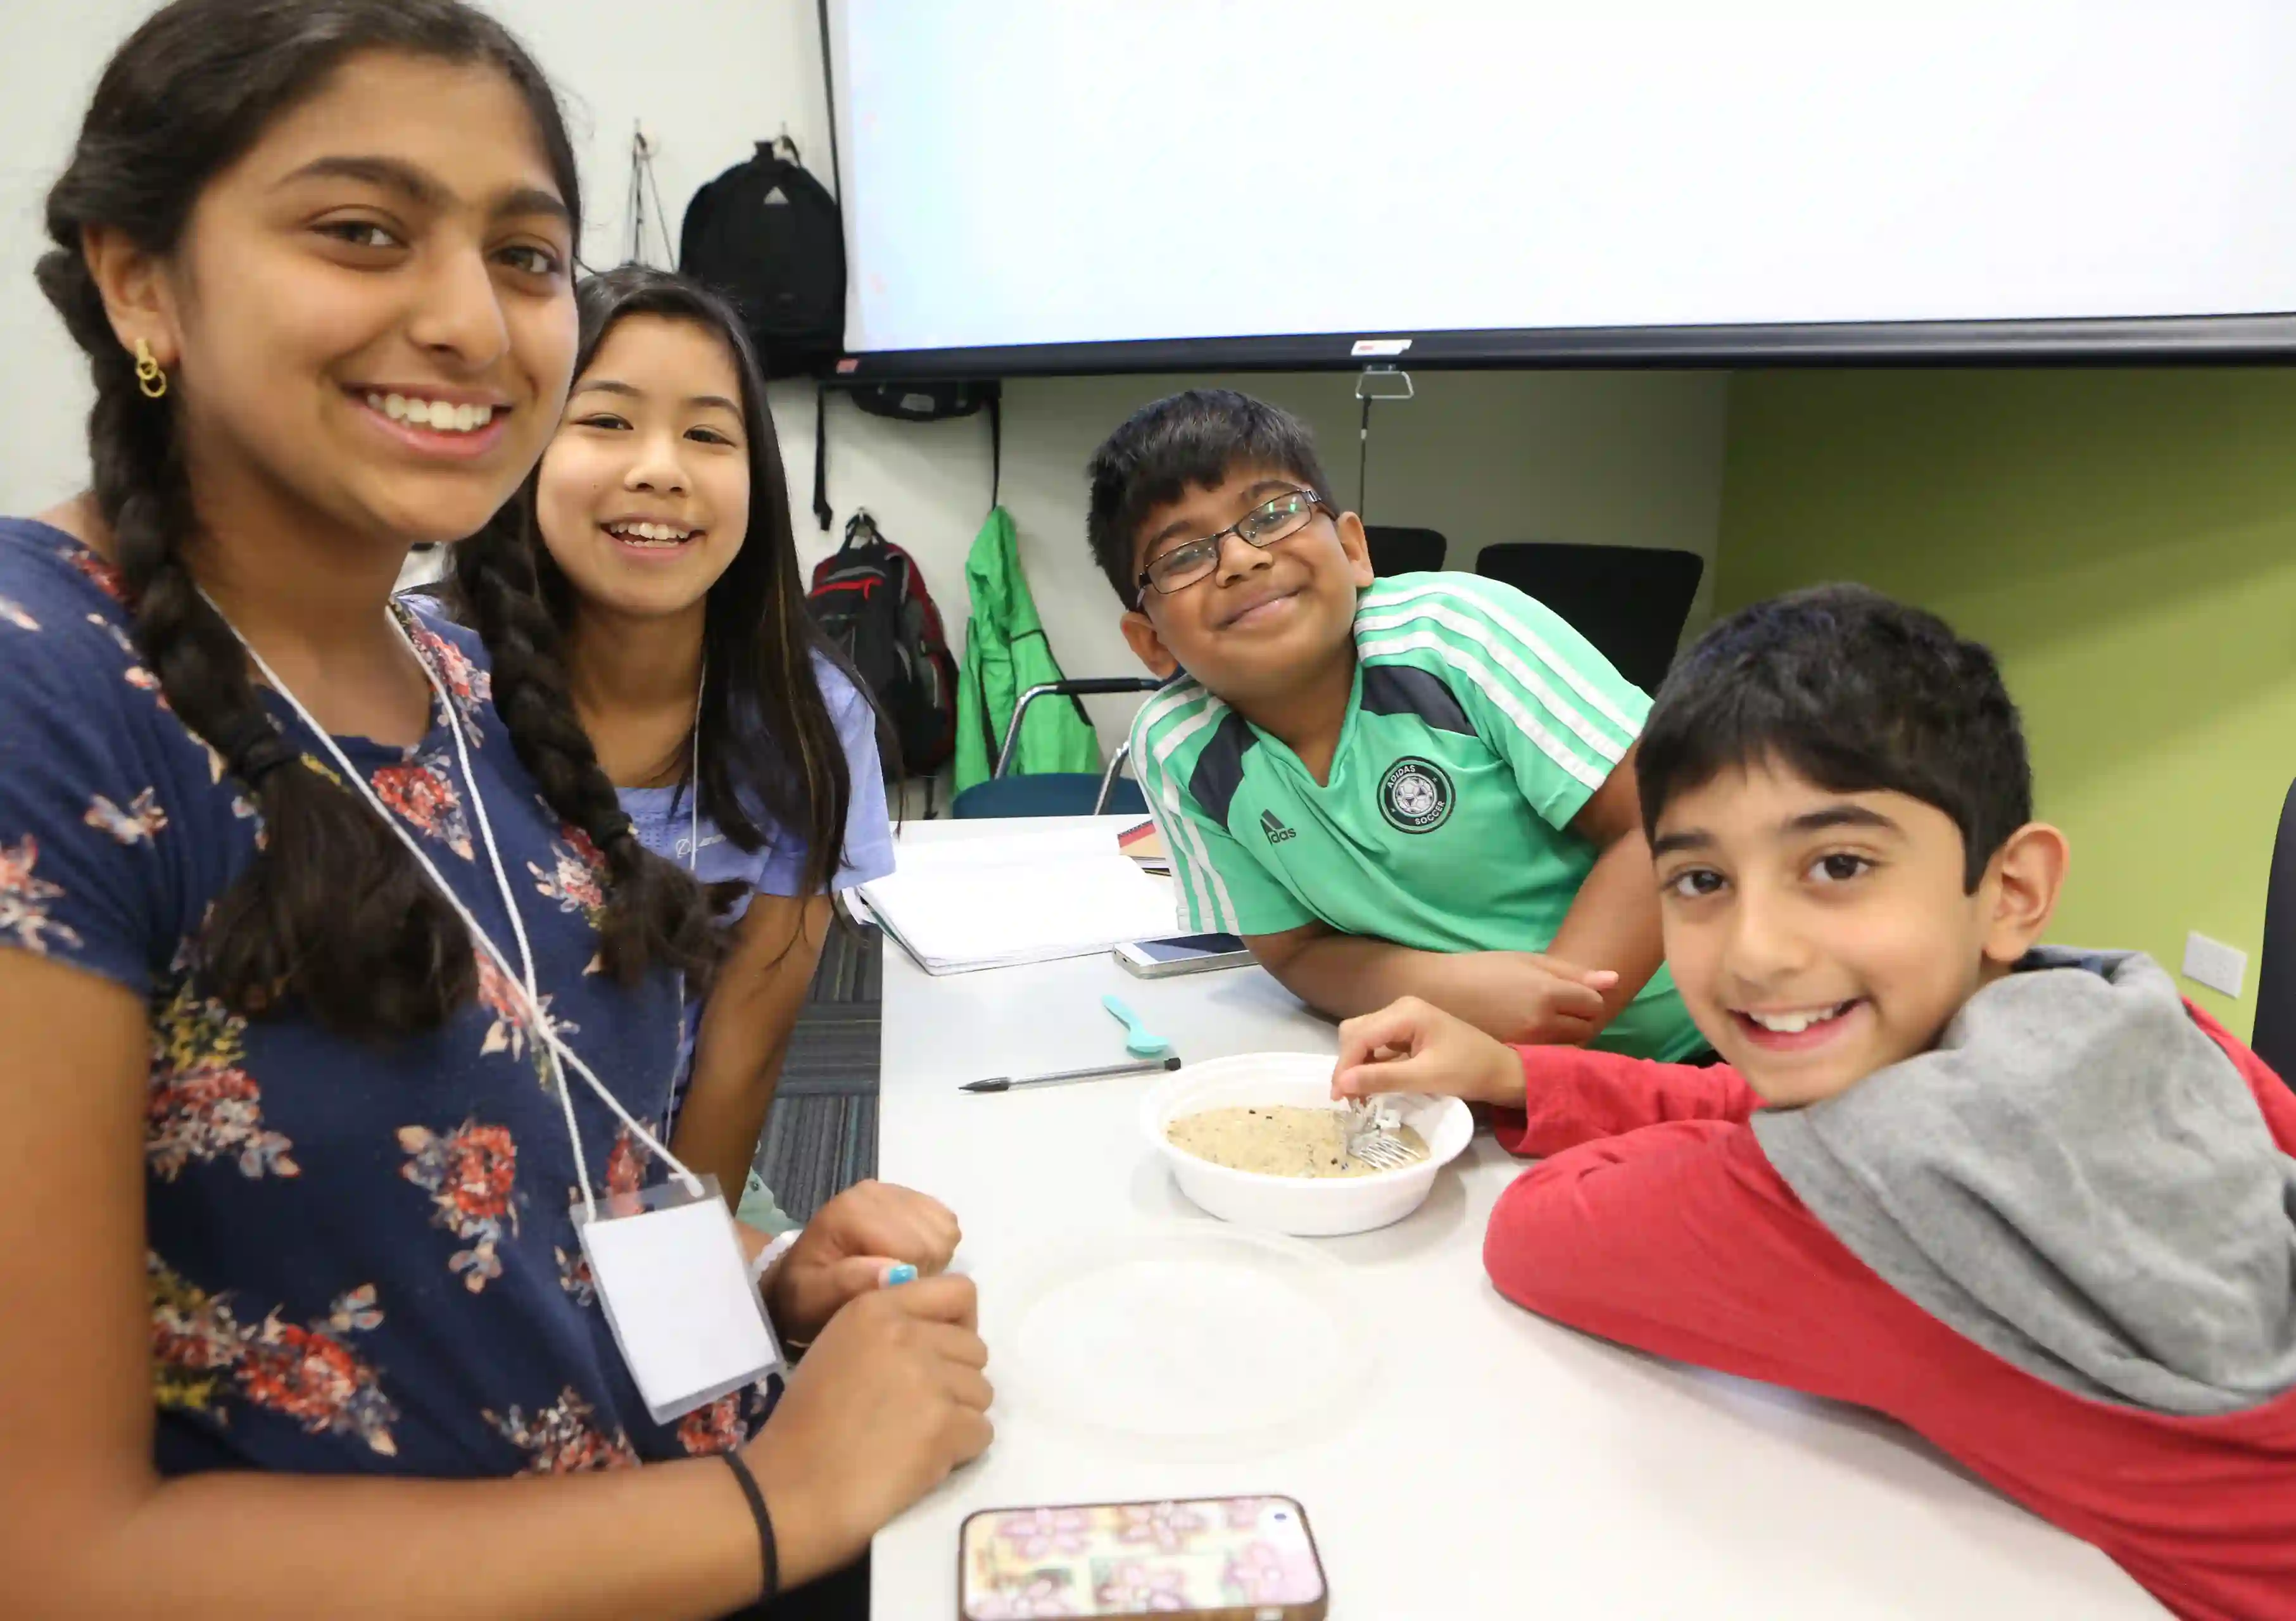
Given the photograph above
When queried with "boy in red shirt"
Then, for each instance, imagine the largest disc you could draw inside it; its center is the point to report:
(2025, 1201)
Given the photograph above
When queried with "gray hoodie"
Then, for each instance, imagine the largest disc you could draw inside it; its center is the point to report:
(2077, 1179)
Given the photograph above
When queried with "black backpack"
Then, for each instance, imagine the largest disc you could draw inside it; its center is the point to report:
(767, 235)
(871, 602)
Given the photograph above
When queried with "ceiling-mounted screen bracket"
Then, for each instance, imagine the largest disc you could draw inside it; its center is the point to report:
(1383, 382)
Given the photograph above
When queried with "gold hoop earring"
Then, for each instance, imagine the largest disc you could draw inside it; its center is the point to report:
(149, 377)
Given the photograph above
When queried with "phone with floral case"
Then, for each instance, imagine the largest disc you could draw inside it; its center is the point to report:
(1210, 1559)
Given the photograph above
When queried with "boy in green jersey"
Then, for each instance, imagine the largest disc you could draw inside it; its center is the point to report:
(1416, 786)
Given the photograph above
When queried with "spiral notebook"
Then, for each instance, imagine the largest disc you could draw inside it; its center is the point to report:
(961, 904)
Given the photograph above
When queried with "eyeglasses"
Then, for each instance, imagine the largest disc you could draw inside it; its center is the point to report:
(1197, 561)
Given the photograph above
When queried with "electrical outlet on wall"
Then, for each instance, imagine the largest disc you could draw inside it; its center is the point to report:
(2214, 963)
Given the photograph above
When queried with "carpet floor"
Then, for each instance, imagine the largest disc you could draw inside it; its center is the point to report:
(821, 1135)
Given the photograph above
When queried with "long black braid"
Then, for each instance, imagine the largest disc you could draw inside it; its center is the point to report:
(332, 910)
(659, 912)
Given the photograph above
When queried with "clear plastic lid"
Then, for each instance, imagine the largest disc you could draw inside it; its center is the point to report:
(1195, 1337)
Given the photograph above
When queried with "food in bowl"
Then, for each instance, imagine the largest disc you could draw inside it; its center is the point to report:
(1311, 1207)
(1277, 1139)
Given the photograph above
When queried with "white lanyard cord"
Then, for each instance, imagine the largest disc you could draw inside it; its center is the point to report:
(693, 794)
(693, 779)
(692, 865)
(539, 1024)
(559, 1053)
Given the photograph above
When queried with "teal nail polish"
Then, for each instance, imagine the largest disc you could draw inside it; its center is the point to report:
(903, 1273)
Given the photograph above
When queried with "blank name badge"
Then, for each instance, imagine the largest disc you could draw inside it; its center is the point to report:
(668, 1268)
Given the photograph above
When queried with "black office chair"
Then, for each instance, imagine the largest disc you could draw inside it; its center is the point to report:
(1630, 601)
(2275, 1041)
(1399, 550)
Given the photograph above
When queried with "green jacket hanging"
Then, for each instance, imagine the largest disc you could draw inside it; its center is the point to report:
(1005, 653)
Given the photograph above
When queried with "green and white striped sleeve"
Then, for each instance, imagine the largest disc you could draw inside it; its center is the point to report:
(1537, 690)
(1218, 888)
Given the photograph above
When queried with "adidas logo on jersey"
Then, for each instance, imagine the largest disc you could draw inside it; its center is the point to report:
(1273, 826)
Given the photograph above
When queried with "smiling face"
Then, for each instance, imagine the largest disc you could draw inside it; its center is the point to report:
(644, 496)
(1817, 936)
(369, 322)
(1262, 617)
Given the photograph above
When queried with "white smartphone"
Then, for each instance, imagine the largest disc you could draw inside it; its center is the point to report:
(1186, 954)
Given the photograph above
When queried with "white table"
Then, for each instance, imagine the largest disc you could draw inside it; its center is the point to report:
(1535, 1471)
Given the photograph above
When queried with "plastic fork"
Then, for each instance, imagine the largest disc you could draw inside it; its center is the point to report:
(1371, 1134)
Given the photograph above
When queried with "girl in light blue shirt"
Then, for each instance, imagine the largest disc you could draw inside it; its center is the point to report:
(738, 744)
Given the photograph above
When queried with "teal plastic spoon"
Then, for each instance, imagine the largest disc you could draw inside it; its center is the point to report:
(1137, 1041)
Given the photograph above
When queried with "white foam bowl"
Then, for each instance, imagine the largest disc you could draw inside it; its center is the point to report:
(1308, 1207)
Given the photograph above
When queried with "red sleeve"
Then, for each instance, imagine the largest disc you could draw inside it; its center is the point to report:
(1680, 1239)
(1572, 1096)
(1677, 1235)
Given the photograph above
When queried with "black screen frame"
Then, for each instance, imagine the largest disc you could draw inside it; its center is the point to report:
(2151, 340)
(2241, 339)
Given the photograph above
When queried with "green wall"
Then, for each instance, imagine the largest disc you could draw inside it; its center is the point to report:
(2126, 542)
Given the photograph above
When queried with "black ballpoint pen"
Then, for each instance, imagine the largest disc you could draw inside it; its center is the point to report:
(1005, 1082)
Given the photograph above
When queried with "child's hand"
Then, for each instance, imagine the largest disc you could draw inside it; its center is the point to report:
(1526, 997)
(890, 1400)
(851, 1247)
(1411, 1046)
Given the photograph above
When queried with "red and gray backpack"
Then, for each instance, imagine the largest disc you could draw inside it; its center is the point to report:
(870, 600)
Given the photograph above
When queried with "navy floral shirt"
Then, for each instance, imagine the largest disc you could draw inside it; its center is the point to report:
(359, 1258)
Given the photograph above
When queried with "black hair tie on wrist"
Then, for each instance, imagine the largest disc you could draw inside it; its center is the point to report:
(255, 749)
(767, 1551)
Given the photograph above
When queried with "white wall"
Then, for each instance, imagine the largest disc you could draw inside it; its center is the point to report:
(55, 50)
(1623, 458)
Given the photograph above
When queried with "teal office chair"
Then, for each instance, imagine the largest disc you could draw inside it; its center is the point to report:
(1059, 793)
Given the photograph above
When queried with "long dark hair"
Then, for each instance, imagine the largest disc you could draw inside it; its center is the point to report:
(768, 741)
(331, 910)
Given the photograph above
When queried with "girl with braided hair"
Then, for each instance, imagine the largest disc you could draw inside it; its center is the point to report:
(259, 831)
(666, 586)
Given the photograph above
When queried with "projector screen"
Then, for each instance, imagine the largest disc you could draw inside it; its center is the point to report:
(1106, 184)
